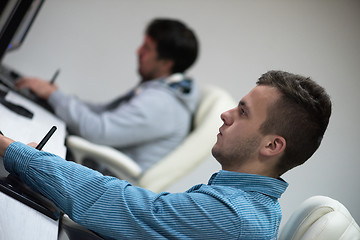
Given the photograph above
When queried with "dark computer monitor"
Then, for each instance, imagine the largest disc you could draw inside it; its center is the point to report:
(15, 21)
(16, 18)
(25, 24)
(3, 3)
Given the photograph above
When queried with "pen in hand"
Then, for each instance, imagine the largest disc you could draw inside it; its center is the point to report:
(46, 138)
(55, 76)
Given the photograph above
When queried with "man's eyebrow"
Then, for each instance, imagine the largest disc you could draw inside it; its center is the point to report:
(242, 103)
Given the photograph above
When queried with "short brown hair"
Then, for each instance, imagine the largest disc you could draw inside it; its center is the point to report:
(175, 41)
(301, 115)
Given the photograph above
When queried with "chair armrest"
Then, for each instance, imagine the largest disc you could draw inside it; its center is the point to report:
(333, 225)
(320, 217)
(119, 163)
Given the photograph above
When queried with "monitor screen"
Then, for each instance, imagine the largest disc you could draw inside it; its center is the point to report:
(3, 5)
(15, 20)
(25, 24)
(7, 9)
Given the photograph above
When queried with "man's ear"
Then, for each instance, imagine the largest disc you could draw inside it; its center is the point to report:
(167, 65)
(274, 145)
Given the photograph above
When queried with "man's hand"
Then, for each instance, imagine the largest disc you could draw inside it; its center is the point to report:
(4, 143)
(41, 88)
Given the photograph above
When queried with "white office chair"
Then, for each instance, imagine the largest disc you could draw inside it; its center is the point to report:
(320, 218)
(194, 149)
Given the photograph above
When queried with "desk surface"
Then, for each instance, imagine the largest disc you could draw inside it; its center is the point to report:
(28, 130)
(16, 189)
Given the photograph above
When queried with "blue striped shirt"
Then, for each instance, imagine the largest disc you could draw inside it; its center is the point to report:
(231, 206)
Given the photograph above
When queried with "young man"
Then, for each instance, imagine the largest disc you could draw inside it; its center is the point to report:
(274, 128)
(130, 123)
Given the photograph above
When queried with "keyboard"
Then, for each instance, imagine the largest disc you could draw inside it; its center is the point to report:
(8, 78)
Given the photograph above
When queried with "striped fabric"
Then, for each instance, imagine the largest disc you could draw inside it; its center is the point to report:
(231, 206)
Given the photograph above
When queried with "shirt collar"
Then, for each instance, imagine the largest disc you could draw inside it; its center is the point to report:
(250, 182)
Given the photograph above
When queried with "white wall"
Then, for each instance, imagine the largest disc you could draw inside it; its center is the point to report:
(94, 44)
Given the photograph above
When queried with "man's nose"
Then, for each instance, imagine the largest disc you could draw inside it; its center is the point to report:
(139, 50)
(226, 117)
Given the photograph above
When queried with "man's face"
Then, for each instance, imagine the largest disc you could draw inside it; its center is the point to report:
(239, 138)
(150, 67)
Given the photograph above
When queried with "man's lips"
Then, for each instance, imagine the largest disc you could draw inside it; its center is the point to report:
(220, 132)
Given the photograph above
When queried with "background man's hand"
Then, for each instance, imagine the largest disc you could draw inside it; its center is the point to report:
(41, 88)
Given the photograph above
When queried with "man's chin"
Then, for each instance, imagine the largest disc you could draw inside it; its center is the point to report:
(215, 152)
(145, 78)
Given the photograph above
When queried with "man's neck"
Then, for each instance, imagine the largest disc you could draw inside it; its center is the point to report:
(154, 78)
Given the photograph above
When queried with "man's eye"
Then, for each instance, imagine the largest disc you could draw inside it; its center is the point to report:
(242, 112)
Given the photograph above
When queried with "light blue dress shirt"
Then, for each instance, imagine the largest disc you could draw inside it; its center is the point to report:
(231, 206)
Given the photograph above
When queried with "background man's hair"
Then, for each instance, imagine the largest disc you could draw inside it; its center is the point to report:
(175, 41)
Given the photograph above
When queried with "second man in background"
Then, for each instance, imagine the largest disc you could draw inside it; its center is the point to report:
(152, 119)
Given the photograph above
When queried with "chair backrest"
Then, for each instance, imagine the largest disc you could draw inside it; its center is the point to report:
(197, 145)
(320, 218)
